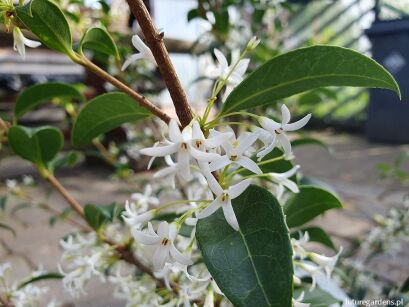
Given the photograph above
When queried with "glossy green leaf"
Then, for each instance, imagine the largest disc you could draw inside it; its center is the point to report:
(8, 228)
(316, 234)
(41, 278)
(308, 204)
(38, 145)
(37, 94)
(253, 266)
(45, 19)
(103, 114)
(99, 40)
(3, 201)
(305, 69)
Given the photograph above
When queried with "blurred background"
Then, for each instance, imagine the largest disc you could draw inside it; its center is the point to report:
(358, 138)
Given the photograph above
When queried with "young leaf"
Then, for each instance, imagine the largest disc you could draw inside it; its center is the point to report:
(252, 266)
(48, 22)
(316, 234)
(3, 201)
(37, 94)
(40, 278)
(309, 203)
(99, 40)
(305, 69)
(103, 114)
(317, 298)
(38, 145)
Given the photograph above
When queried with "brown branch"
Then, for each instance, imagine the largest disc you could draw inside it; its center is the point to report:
(155, 42)
(143, 101)
(4, 302)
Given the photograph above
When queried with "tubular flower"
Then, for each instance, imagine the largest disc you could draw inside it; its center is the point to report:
(20, 42)
(144, 53)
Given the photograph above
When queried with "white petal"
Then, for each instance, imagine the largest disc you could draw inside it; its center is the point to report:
(280, 191)
(246, 141)
(203, 156)
(145, 238)
(291, 185)
(197, 132)
(239, 188)
(219, 163)
(266, 151)
(130, 60)
(222, 60)
(163, 229)
(249, 164)
(173, 231)
(285, 143)
(178, 256)
(218, 140)
(159, 257)
(140, 45)
(287, 174)
(213, 183)
(285, 115)
(19, 42)
(269, 124)
(212, 208)
(159, 151)
(298, 124)
(174, 132)
(230, 216)
(187, 134)
(30, 43)
(242, 67)
(183, 165)
(164, 172)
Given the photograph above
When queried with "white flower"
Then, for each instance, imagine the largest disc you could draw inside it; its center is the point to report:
(144, 53)
(274, 130)
(253, 43)
(146, 199)
(298, 301)
(223, 200)
(298, 245)
(283, 181)
(132, 216)
(20, 42)
(236, 76)
(163, 242)
(4, 267)
(186, 144)
(327, 263)
(235, 149)
(28, 180)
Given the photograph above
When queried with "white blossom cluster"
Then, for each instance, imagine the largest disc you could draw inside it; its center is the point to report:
(22, 296)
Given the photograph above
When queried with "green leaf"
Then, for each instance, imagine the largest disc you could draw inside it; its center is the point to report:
(405, 286)
(97, 216)
(310, 202)
(316, 234)
(99, 40)
(317, 298)
(38, 145)
(40, 278)
(305, 69)
(37, 94)
(8, 228)
(48, 22)
(103, 114)
(253, 266)
(309, 141)
(3, 201)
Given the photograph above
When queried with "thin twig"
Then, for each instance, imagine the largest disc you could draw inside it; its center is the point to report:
(155, 42)
(143, 101)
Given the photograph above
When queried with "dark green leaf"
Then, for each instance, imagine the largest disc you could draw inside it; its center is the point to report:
(309, 203)
(8, 228)
(316, 234)
(309, 141)
(405, 286)
(99, 40)
(41, 93)
(38, 145)
(95, 217)
(40, 278)
(253, 266)
(3, 201)
(67, 159)
(48, 23)
(305, 69)
(103, 114)
(192, 14)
